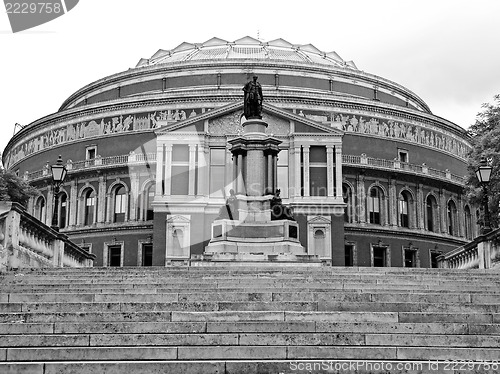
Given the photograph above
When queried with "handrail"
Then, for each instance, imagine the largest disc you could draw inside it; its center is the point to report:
(32, 244)
(479, 253)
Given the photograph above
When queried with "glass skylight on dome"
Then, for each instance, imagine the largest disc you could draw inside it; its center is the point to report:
(246, 48)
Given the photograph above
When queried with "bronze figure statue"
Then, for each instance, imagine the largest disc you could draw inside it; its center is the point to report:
(253, 99)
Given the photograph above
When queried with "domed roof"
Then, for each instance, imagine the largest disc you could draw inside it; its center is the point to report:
(244, 49)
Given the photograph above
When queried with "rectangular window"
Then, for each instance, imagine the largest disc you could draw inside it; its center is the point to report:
(379, 256)
(115, 252)
(180, 170)
(217, 171)
(403, 155)
(410, 260)
(90, 155)
(317, 171)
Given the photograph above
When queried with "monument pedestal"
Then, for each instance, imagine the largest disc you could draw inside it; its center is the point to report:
(255, 236)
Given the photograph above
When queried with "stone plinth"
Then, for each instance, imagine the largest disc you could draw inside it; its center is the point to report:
(255, 237)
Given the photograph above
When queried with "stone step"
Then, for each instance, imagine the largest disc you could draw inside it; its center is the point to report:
(352, 366)
(452, 328)
(206, 306)
(251, 339)
(244, 295)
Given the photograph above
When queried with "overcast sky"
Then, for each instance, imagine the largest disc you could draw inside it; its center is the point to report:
(446, 51)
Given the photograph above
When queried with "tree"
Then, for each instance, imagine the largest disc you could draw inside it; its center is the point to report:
(13, 188)
(485, 133)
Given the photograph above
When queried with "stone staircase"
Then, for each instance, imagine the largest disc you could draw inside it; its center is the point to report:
(249, 320)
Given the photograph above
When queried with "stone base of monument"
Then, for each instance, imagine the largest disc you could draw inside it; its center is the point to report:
(254, 259)
(266, 241)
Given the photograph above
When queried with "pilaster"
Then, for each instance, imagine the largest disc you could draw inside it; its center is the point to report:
(101, 198)
(49, 210)
(338, 171)
(420, 207)
(168, 169)
(134, 196)
(360, 210)
(73, 208)
(159, 170)
(298, 172)
(442, 211)
(306, 150)
(192, 169)
(393, 203)
(331, 170)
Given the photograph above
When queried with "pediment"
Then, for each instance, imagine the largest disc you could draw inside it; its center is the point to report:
(227, 120)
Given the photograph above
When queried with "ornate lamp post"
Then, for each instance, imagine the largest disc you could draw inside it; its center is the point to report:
(483, 174)
(58, 174)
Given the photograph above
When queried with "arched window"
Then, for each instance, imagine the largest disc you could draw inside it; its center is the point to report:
(374, 206)
(452, 218)
(148, 203)
(63, 210)
(347, 194)
(404, 209)
(120, 204)
(431, 207)
(89, 207)
(40, 209)
(468, 223)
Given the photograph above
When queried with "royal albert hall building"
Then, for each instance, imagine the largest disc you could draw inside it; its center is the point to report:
(373, 177)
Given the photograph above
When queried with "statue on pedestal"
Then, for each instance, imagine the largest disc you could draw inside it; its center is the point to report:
(278, 210)
(253, 99)
(230, 209)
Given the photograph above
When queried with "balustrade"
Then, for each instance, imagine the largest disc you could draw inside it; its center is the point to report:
(26, 242)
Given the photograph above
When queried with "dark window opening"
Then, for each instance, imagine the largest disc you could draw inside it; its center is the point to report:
(379, 256)
(147, 254)
(349, 255)
(115, 253)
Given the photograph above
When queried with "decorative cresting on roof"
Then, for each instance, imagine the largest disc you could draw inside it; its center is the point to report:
(246, 48)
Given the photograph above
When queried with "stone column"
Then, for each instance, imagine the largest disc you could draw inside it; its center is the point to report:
(442, 211)
(270, 173)
(331, 171)
(73, 207)
(298, 172)
(306, 170)
(49, 209)
(159, 170)
(360, 209)
(229, 171)
(420, 207)
(110, 205)
(192, 169)
(338, 171)
(461, 216)
(168, 169)
(240, 185)
(275, 172)
(393, 203)
(134, 196)
(101, 196)
(255, 172)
